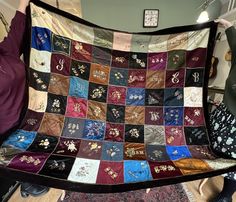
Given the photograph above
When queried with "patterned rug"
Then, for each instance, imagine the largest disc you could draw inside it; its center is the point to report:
(172, 193)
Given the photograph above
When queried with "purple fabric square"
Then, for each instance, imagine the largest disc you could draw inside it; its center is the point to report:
(60, 64)
(196, 58)
(175, 78)
(67, 146)
(154, 116)
(157, 61)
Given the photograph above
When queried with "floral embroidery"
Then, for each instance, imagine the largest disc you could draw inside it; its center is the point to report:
(72, 128)
(97, 93)
(39, 81)
(118, 75)
(164, 168)
(31, 122)
(30, 160)
(135, 78)
(111, 172)
(94, 146)
(130, 152)
(71, 145)
(100, 74)
(139, 61)
(114, 132)
(56, 106)
(154, 116)
(112, 151)
(45, 143)
(120, 59)
(57, 165)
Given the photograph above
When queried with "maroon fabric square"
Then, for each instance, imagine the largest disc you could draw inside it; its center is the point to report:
(137, 78)
(154, 115)
(175, 78)
(60, 64)
(116, 95)
(81, 51)
(194, 116)
(157, 61)
(164, 170)
(114, 132)
(90, 149)
(196, 58)
(174, 135)
(28, 161)
(201, 152)
(110, 173)
(32, 121)
(67, 146)
(120, 59)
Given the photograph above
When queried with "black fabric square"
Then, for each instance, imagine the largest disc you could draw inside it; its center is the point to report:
(97, 92)
(58, 166)
(39, 80)
(194, 77)
(156, 153)
(196, 135)
(138, 60)
(43, 143)
(154, 97)
(80, 69)
(174, 97)
(61, 44)
(134, 133)
(115, 113)
(56, 104)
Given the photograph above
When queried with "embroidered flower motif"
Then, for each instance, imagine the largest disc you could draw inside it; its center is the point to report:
(97, 93)
(114, 132)
(111, 172)
(178, 95)
(83, 171)
(31, 121)
(112, 151)
(30, 160)
(116, 95)
(115, 113)
(120, 59)
(176, 59)
(21, 138)
(77, 107)
(72, 127)
(154, 116)
(94, 146)
(134, 132)
(57, 165)
(71, 145)
(99, 74)
(135, 97)
(97, 111)
(135, 78)
(118, 76)
(139, 61)
(45, 143)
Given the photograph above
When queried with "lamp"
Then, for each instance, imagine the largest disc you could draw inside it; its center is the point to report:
(203, 17)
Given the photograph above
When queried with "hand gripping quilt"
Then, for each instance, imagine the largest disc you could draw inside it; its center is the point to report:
(113, 111)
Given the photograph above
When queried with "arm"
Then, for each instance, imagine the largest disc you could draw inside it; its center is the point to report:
(13, 42)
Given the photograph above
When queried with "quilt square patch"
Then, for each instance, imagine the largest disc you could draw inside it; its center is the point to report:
(140, 43)
(136, 171)
(193, 97)
(43, 143)
(83, 33)
(135, 96)
(76, 107)
(173, 116)
(201, 152)
(103, 38)
(112, 151)
(78, 87)
(84, 171)
(175, 78)
(165, 169)
(61, 44)
(32, 120)
(134, 115)
(56, 104)
(154, 115)
(156, 153)
(178, 152)
(94, 130)
(157, 61)
(67, 147)
(122, 41)
(193, 116)
(73, 127)
(90, 150)
(120, 59)
(59, 84)
(110, 173)
(178, 41)
(138, 60)
(97, 110)
(194, 77)
(154, 135)
(97, 92)
(174, 97)
(137, 78)
(81, 51)
(115, 113)
(116, 95)
(196, 135)
(196, 58)
(134, 151)
(114, 132)
(57, 166)
(176, 59)
(28, 161)
(60, 64)
(52, 124)
(154, 97)
(99, 74)
(80, 69)
(158, 43)
(155, 79)
(134, 133)
(41, 39)
(174, 135)
(101, 55)
(38, 80)
(119, 77)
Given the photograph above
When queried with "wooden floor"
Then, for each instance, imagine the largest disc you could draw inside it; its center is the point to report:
(210, 189)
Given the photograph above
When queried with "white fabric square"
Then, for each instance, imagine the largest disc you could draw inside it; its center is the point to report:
(198, 39)
(158, 43)
(193, 97)
(37, 100)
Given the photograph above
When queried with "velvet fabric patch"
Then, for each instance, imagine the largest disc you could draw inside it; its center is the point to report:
(134, 151)
(134, 133)
(154, 135)
(96, 110)
(196, 57)
(178, 152)
(154, 97)
(61, 44)
(120, 59)
(99, 74)
(90, 149)
(101, 56)
(175, 135)
(175, 78)
(193, 116)
(174, 97)
(155, 79)
(115, 113)
(157, 61)
(134, 115)
(56, 104)
(156, 153)
(114, 132)
(135, 96)
(196, 135)
(78, 87)
(112, 151)
(138, 60)
(81, 51)
(119, 77)
(201, 152)
(137, 78)
(176, 59)
(154, 115)
(76, 107)
(173, 116)
(38, 80)
(94, 130)
(97, 92)
(194, 77)
(59, 84)
(60, 64)
(116, 95)
(73, 127)
(80, 69)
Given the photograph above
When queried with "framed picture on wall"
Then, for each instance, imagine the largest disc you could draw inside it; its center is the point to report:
(150, 17)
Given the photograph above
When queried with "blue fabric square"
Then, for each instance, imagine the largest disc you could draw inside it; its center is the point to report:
(20, 139)
(178, 152)
(119, 76)
(78, 87)
(94, 130)
(112, 151)
(173, 116)
(41, 39)
(136, 171)
(135, 96)
(173, 97)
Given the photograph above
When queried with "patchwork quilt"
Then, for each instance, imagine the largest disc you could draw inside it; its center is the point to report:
(113, 111)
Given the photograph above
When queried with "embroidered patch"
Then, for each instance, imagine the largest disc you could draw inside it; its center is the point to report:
(31, 121)
(155, 79)
(38, 80)
(120, 59)
(193, 97)
(196, 136)
(61, 44)
(80, 69)
(174, 135)
(193, 116)
(101, 56)
(90, 149)
(173, 116)
(59, 84)
(138, 60)
(154, 115)
(103, 38)
(60, 64)
(196, 58)
(122, 41)
(116, 95)
(73, 127)
(178, 41)
(154, 135)
(135, 96)
(134, 115)
(68, 147)
(115, 113)
(201, 152)
(99, 74)
(194, 77)
(154, 97)
(178, 152)
(157, 61)
(134, 151)
(157, 153)
(119, 77)
(41, 39)
(114, 132)
(76, 107)
(97, 110)
(175, 78)
(140, 43)
(94, 130)
(81, 51)
(97, 92)
(56, 104)
(174, 97)
(112, 151)
(176, 59)
(134, 133)
(137, 78)
(78, 87)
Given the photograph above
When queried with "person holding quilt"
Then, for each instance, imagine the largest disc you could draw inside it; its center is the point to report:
(223, 119)
(13, 84)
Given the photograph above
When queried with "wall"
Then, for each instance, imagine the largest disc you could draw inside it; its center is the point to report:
(127, 15)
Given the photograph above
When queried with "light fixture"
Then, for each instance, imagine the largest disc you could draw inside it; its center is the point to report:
(203, 17)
